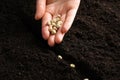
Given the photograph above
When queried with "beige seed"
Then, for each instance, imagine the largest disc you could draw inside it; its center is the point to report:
(59, 22)
(59, 16)
(54, 20)
(55, 28)
(58, 19)
(53, 32)
(59, 57)
(58, 26)
(49, 23)
(50, 28)
(86, 79)
(72, 65)
(53, 24)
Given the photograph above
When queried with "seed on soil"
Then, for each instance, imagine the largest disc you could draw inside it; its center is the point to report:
(59, 57)
(86, 79)
(72, 65)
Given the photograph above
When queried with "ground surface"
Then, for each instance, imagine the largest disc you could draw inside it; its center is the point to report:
(93, 43)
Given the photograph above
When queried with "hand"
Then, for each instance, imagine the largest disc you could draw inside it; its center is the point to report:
(66, 8)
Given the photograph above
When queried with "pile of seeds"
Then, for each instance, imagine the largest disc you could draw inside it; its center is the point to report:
(55, 24)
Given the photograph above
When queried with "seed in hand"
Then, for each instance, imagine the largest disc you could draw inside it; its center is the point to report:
(53, 31)
(55, 24)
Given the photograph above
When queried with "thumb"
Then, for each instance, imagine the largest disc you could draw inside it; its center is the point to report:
(40, 8)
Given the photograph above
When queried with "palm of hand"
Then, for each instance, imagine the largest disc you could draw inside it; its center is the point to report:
(67, 9)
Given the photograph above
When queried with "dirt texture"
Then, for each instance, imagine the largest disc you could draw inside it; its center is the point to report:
(92, 44)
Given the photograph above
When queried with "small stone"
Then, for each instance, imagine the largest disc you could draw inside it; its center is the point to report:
(72, 65)
(59, 57)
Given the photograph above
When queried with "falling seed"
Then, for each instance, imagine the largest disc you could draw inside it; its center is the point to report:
(72, 65)
(86, 79)
(59, 57)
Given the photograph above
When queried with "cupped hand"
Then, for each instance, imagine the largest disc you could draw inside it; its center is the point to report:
(66, 8)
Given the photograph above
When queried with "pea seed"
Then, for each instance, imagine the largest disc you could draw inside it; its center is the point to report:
(55, 28)
(57, 19)
(49, 23)
(86, 79)
(59, 57)
(58, 26)
(50, 28)
(59, 16)
(53, 24)
(53, 31)
(59, 22)
(72, 65)
(54, 20)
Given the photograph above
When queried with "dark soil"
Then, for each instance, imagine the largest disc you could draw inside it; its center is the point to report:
(92, 44)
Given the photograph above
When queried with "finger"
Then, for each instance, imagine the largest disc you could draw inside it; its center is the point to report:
(59, 35)
(51, 40)
(69, 20)
(45, 28)
(40, 8)
(50, 1)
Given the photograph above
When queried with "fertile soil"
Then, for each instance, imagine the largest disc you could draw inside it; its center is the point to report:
(92, 44)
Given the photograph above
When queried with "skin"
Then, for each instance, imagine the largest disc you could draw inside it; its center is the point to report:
(48, 9)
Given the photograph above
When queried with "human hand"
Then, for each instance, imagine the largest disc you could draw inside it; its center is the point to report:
(66, 8)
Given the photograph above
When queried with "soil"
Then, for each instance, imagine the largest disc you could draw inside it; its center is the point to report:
(92, 44)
